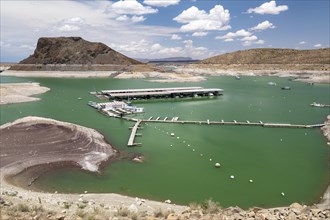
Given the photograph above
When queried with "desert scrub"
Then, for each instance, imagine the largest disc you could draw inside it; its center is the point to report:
(37, 208)
(159, 213)
(210, 207)
(81, 213)
(123, 212)
(81, 205)
(22, 207)
(67, 205)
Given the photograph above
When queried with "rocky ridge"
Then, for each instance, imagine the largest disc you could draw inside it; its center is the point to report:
(272, 56)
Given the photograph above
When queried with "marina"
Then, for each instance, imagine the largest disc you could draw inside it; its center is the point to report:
(246, 152)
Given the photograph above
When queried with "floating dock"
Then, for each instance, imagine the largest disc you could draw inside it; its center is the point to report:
(160, 93)
(133, 134)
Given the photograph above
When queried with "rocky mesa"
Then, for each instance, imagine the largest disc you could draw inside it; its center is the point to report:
(75, 50)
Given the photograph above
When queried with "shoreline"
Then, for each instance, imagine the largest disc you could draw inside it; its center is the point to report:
(189, 73)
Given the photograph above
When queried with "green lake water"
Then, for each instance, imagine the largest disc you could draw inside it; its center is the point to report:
(293, 161)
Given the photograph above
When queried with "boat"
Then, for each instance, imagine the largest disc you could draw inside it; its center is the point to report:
(272, 83)
(314, 104)
(79, 98)
(237, 77)
(286, 88)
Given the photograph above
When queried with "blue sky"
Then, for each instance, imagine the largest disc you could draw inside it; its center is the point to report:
(166, 28)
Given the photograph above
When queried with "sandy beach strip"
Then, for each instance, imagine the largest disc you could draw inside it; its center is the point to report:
(20, 92)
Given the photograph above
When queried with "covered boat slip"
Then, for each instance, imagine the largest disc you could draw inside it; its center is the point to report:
(152, 93)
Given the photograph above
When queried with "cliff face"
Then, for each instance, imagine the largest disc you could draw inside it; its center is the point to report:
(272, 56)
(75, 50)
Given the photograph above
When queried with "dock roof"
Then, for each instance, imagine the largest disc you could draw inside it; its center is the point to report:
(169, 92)
(148, 90)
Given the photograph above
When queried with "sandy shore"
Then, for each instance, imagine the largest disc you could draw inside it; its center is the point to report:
(20, 92)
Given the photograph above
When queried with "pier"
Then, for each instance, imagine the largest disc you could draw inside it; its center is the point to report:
(208, 122)
(133, 134)
(160, 93)
(234, 122)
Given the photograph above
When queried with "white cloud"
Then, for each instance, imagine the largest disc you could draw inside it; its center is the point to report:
(228, 40)
(268, 8)
(232, 35)
(260, 42)
(68, 28)
(196, 20)
(161, 3)
(143, 48)
(136, 19)
(131, 7)
(318, 45)
(199, 34)
(133, 19)
(123, 18)
(29, 47)
(249, 38)
(75, 20)
(245, 36)
(4, 44)
(156, 47)
(188, 43)
(170, 51)
(263, 26)
(175, 37)
(302, 42)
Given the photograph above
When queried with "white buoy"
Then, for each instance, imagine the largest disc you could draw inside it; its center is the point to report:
(202, 155)
(232, 177)
(188, 145)
(217, 165)
(210, 159)
(171, 145)
(251, 181)
(282, 193)
(177, 137)
(193, 149)
(172, 134)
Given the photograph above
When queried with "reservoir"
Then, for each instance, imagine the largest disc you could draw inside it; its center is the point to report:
(278, 160)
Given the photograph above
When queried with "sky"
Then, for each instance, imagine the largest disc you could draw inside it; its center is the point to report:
(166, 28)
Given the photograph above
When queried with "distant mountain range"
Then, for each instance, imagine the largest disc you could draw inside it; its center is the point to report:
(167, 60)
(272, 56)
(75, 50)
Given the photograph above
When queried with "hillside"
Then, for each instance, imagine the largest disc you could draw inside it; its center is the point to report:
(75, 50)
(272, 56)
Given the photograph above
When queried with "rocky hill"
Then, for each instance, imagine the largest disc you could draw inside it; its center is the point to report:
(75, 50)
(272, 56)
